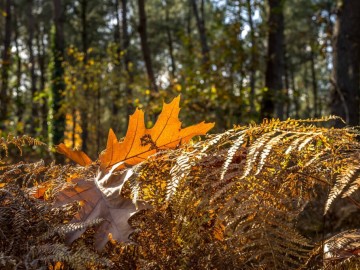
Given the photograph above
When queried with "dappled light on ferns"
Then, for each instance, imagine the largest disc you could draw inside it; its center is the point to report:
(231, 201)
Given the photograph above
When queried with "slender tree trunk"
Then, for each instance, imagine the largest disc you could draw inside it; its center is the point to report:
(252, 57)
(145, 45)
(346, 63)
(273, 98)
(296, 94)
(5, 67)
(18, 100)
(189, 28)
(200, 23)
(117, 88)
(287, 83)
(306, 86)
(314, 83)
(84, 111)
(170, 40)
(58, 84)
(41, 62)
(32, 121)
(127, 59)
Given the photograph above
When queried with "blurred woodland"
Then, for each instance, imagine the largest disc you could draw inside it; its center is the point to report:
(70, 70)
(277, 184)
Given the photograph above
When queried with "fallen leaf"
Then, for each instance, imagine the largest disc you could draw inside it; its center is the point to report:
(140, 142)
(75, 155)
(39, 191)
(219, 230)
(57, 266)
(101, 199)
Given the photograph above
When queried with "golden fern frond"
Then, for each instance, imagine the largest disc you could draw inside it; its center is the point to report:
(178, 172)
(319, 120)
(342, 250)
(83, 258)
(343, 180)
(232, 151)
(267, 149)
(254, 180)
(355, 185)
(19, 142)
(254, 152)
(62, 230)
(215, 140)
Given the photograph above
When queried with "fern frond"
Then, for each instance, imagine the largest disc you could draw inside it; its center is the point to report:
(231, 153)
(343, 179)
(341, 249)
(267, 149)
(62, 230)
(254, 152)
(19, 142)
(355, 185)
(178, 172)
(215, 140)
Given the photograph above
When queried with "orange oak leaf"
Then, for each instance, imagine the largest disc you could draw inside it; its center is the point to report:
(140, 142)
(75, 155)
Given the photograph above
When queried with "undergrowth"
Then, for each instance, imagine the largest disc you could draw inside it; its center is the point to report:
(278, 195)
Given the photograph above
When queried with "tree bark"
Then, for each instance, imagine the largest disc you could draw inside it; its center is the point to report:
(41, 63)
(170, 40)
(296, 95)
(127, 59)
(58, 84)
(18, 100)
(145, 45)
(115, 108)
(346, 63)
(200, 23)
(32, 120)
(287, 83)
(84, 111)
(314, 83)
(252, 58)
(5, 67)
(273, 99)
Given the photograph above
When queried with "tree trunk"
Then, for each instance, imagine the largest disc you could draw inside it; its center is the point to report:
(273, 98)
(127, 60)
(314, 83)
(170, 40)
(84, 111)
(5, 67)
(200, 23)
(57, 77)
(346, 63)
(188, 29)
(115, 108)
(287, 83)
(145, 46)
(41, 62)
(33, 118)
(252, 58)
(18, 100)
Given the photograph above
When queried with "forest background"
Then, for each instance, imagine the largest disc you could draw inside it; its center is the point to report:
(70, 70)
